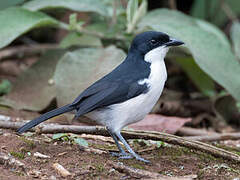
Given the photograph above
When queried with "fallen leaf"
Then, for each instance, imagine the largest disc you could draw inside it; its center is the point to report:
(156, 122)
(81, 142)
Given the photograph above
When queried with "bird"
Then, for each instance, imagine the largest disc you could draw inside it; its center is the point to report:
(125, 95)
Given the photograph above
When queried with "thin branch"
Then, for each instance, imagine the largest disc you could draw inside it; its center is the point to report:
(130, 134)
(25, 50)
(188, 131)
(215, 137)
(139, 173)
(92, 33)
(228, 11)
(172, 4)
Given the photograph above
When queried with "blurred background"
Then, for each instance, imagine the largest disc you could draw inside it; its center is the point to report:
(51, 50)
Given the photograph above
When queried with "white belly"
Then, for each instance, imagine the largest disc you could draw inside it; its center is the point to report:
(119, 115)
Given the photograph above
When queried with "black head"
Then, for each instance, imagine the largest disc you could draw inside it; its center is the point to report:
(150, 40)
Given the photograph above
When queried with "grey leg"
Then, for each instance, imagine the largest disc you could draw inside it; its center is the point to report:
(118, 134)
(122, 153)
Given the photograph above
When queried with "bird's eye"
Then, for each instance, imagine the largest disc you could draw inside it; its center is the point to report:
(153, 41)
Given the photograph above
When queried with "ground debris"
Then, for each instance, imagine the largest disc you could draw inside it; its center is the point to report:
(61, 170)
(139, 173)
(11, 162)
(39, 155)
(92, 150)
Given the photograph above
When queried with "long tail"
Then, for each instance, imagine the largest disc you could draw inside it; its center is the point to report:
(45, 117)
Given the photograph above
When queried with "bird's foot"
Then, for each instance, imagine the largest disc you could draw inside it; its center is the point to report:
(121, 155)
(143, 160)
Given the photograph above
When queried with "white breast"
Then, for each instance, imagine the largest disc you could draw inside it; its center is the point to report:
(119, 115)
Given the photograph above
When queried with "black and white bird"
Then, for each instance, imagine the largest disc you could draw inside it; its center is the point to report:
(125, 95)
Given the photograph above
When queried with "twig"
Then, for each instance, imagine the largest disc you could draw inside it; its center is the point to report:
(228, 11)
(139, 173)
(215, 137)
(188, 131)
(92, 33)
(130, 134)
(25, 50)
(92, 150)
(172, 4)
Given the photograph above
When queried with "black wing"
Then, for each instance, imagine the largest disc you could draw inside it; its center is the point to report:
(102, 94)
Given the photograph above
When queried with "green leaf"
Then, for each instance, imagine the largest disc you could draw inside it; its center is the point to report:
(83, 67)
(132, 7)
(138, 14)
(6, 4)
(75, 5)
(5, 86)
(81, 142)
(210, 53)
(214, 30)
(202, 81)
(34, 89)
(235, 37)
(76, 39)
(17, 21)
(213, 10)
(59, 136)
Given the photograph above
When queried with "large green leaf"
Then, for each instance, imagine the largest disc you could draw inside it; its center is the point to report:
(79, 69)
(212, 55)
(213, 10)
(76, 39)
(75, 5)
(6, 4)
(235, 36)
(34, 89)
(16, 21)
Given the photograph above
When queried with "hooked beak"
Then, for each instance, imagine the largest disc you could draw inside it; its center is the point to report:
(174, 42)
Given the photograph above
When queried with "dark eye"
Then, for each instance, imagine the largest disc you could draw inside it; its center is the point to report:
(153, 41)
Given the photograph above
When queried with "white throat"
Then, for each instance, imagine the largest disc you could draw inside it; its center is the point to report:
(156, 54)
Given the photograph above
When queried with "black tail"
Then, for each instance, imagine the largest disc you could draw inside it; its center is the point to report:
(45, 117)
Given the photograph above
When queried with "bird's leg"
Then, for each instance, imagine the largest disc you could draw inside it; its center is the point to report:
(122, 153)
(118, 134)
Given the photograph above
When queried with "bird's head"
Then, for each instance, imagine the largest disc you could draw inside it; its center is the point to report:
(153, 45)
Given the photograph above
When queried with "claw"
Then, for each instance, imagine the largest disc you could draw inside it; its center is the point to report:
(121, 155)
(143, 160)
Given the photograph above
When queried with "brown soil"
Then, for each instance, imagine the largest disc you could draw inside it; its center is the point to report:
(167, 160)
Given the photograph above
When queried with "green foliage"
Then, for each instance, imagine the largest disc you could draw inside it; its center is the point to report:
(5, 87)
(203, 82)
(6, 4)
(83, 64)
(75, 5)
(76, 39)
(210, 53)
(135, 13)
(235, 37)
(19, 155)
(215, 11)
(16, 21)
(111, 24)
(72, 138)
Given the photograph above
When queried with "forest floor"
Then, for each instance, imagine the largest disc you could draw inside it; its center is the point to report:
(167, 161)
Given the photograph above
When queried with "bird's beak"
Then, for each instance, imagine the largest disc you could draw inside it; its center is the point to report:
(174, 42)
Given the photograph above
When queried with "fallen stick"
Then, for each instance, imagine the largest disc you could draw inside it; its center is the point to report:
(130, 134)
(139, 173)
(215, 137)
(26, 50)
(188, 131)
